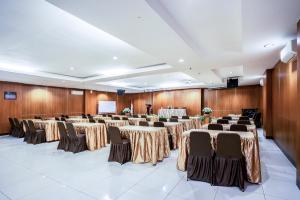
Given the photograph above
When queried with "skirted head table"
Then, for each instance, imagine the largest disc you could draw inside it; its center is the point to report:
(148, 144)
(250, 150)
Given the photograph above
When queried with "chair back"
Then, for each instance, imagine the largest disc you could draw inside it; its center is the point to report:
(115, 135)
(101, 121)
(227, 117)
(161, 119)
(31, 127)
(246, 122)
(89, 115)
(229, 145)
(200, 143)
(185, 117)
(116, 118)
(62, 119)
(71, 130)
(109, 116)
(135, 116)
(62, 129)
(238, 127)
(17, 123)
(67, 116)
(244, 118)
(124, 118)
(56, 118)
(215, 127)
(158, 124)
(143, 123)
(173, 119)
(12, 123)
(84, 117)
(222, 121)
(143, 116)
(91, 120)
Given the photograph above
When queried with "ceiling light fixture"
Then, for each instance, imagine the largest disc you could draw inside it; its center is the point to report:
(115, 58)
(72, 68)
(181, 60)
(269, 45)
(230, 72)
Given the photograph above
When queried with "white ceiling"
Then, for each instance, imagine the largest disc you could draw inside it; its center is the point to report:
(72, 43)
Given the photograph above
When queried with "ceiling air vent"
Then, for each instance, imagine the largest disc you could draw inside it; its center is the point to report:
(289, 52)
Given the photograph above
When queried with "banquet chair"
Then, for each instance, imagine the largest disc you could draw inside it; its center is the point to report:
(158, 124)
(143, 123)
(104, 115)
(143, 116)
(185, 117)
(200, 159)
(38, 136)
(215, 127)
(116, 118)
(120, 149)
(56, 119)
(28, 136)
(101, 121)
(19, 128)
(161, 119)
(77, 142)
(227, 117)
(62, 116)
(174, 117)
(243, 118)
(67, 116)
(64, 138)
(88, 115)
(124, 118)
(63, 119)
(246, 122)
(84, 117)
(238, 127)
(109, 116)
(135, 116)
(12, 126)
(229, 163)
(257, 120)
(222, 121)
(91, 120)
(173, 120)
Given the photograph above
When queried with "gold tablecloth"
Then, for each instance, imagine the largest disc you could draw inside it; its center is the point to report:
(250, 150)
(96, 136)
(188, 124)
(101, 117)
(77, 120)
(153, 118)
(50, 126)
(116, 123)
(196, 122)
(233, 121)
(226, 127)
(175, 129)
(135, 121)
(148, 144)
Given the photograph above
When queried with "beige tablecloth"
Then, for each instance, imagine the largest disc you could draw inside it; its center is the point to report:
(196, 122)
(117, 123)
(175, 129)
(188, 124)
(50, 127)
(167, 113)
(153, 118)
(101, 117)
(135, 121)
(250, 150)
(77, 120)
(148, 144)
(96, 136)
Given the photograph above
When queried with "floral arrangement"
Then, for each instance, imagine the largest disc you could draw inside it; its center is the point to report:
(126, 110)
(207, 110)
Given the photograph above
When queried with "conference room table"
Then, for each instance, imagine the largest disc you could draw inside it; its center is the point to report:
(226, 127)
(152, 118)
(117, 123)
(76, 120)
(98, 117)
(148, 144)
(175, 129)
(135, 121)
(249, 147)
(50, 127)
(96, 134)
(233, 121)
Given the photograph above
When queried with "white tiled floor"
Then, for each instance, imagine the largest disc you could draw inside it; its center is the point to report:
(35, 172)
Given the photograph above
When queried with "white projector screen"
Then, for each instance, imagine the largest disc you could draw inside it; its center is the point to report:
(106, 107)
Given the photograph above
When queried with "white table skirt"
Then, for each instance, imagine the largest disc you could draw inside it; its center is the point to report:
(167, 113)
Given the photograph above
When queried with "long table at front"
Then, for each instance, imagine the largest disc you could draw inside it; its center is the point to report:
(249, 145)
(148, 144)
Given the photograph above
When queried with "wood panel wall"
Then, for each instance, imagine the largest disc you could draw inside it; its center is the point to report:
(267, 104)
(37, 100)
(298, 107)
(226, 101)
(284, 102)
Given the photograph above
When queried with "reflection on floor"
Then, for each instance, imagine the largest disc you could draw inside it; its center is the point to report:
(35, 172)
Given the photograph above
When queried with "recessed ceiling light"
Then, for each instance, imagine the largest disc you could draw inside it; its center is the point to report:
(72, 68)
(181, 60)
(269, 45)
(115, 58)
(230, 72)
